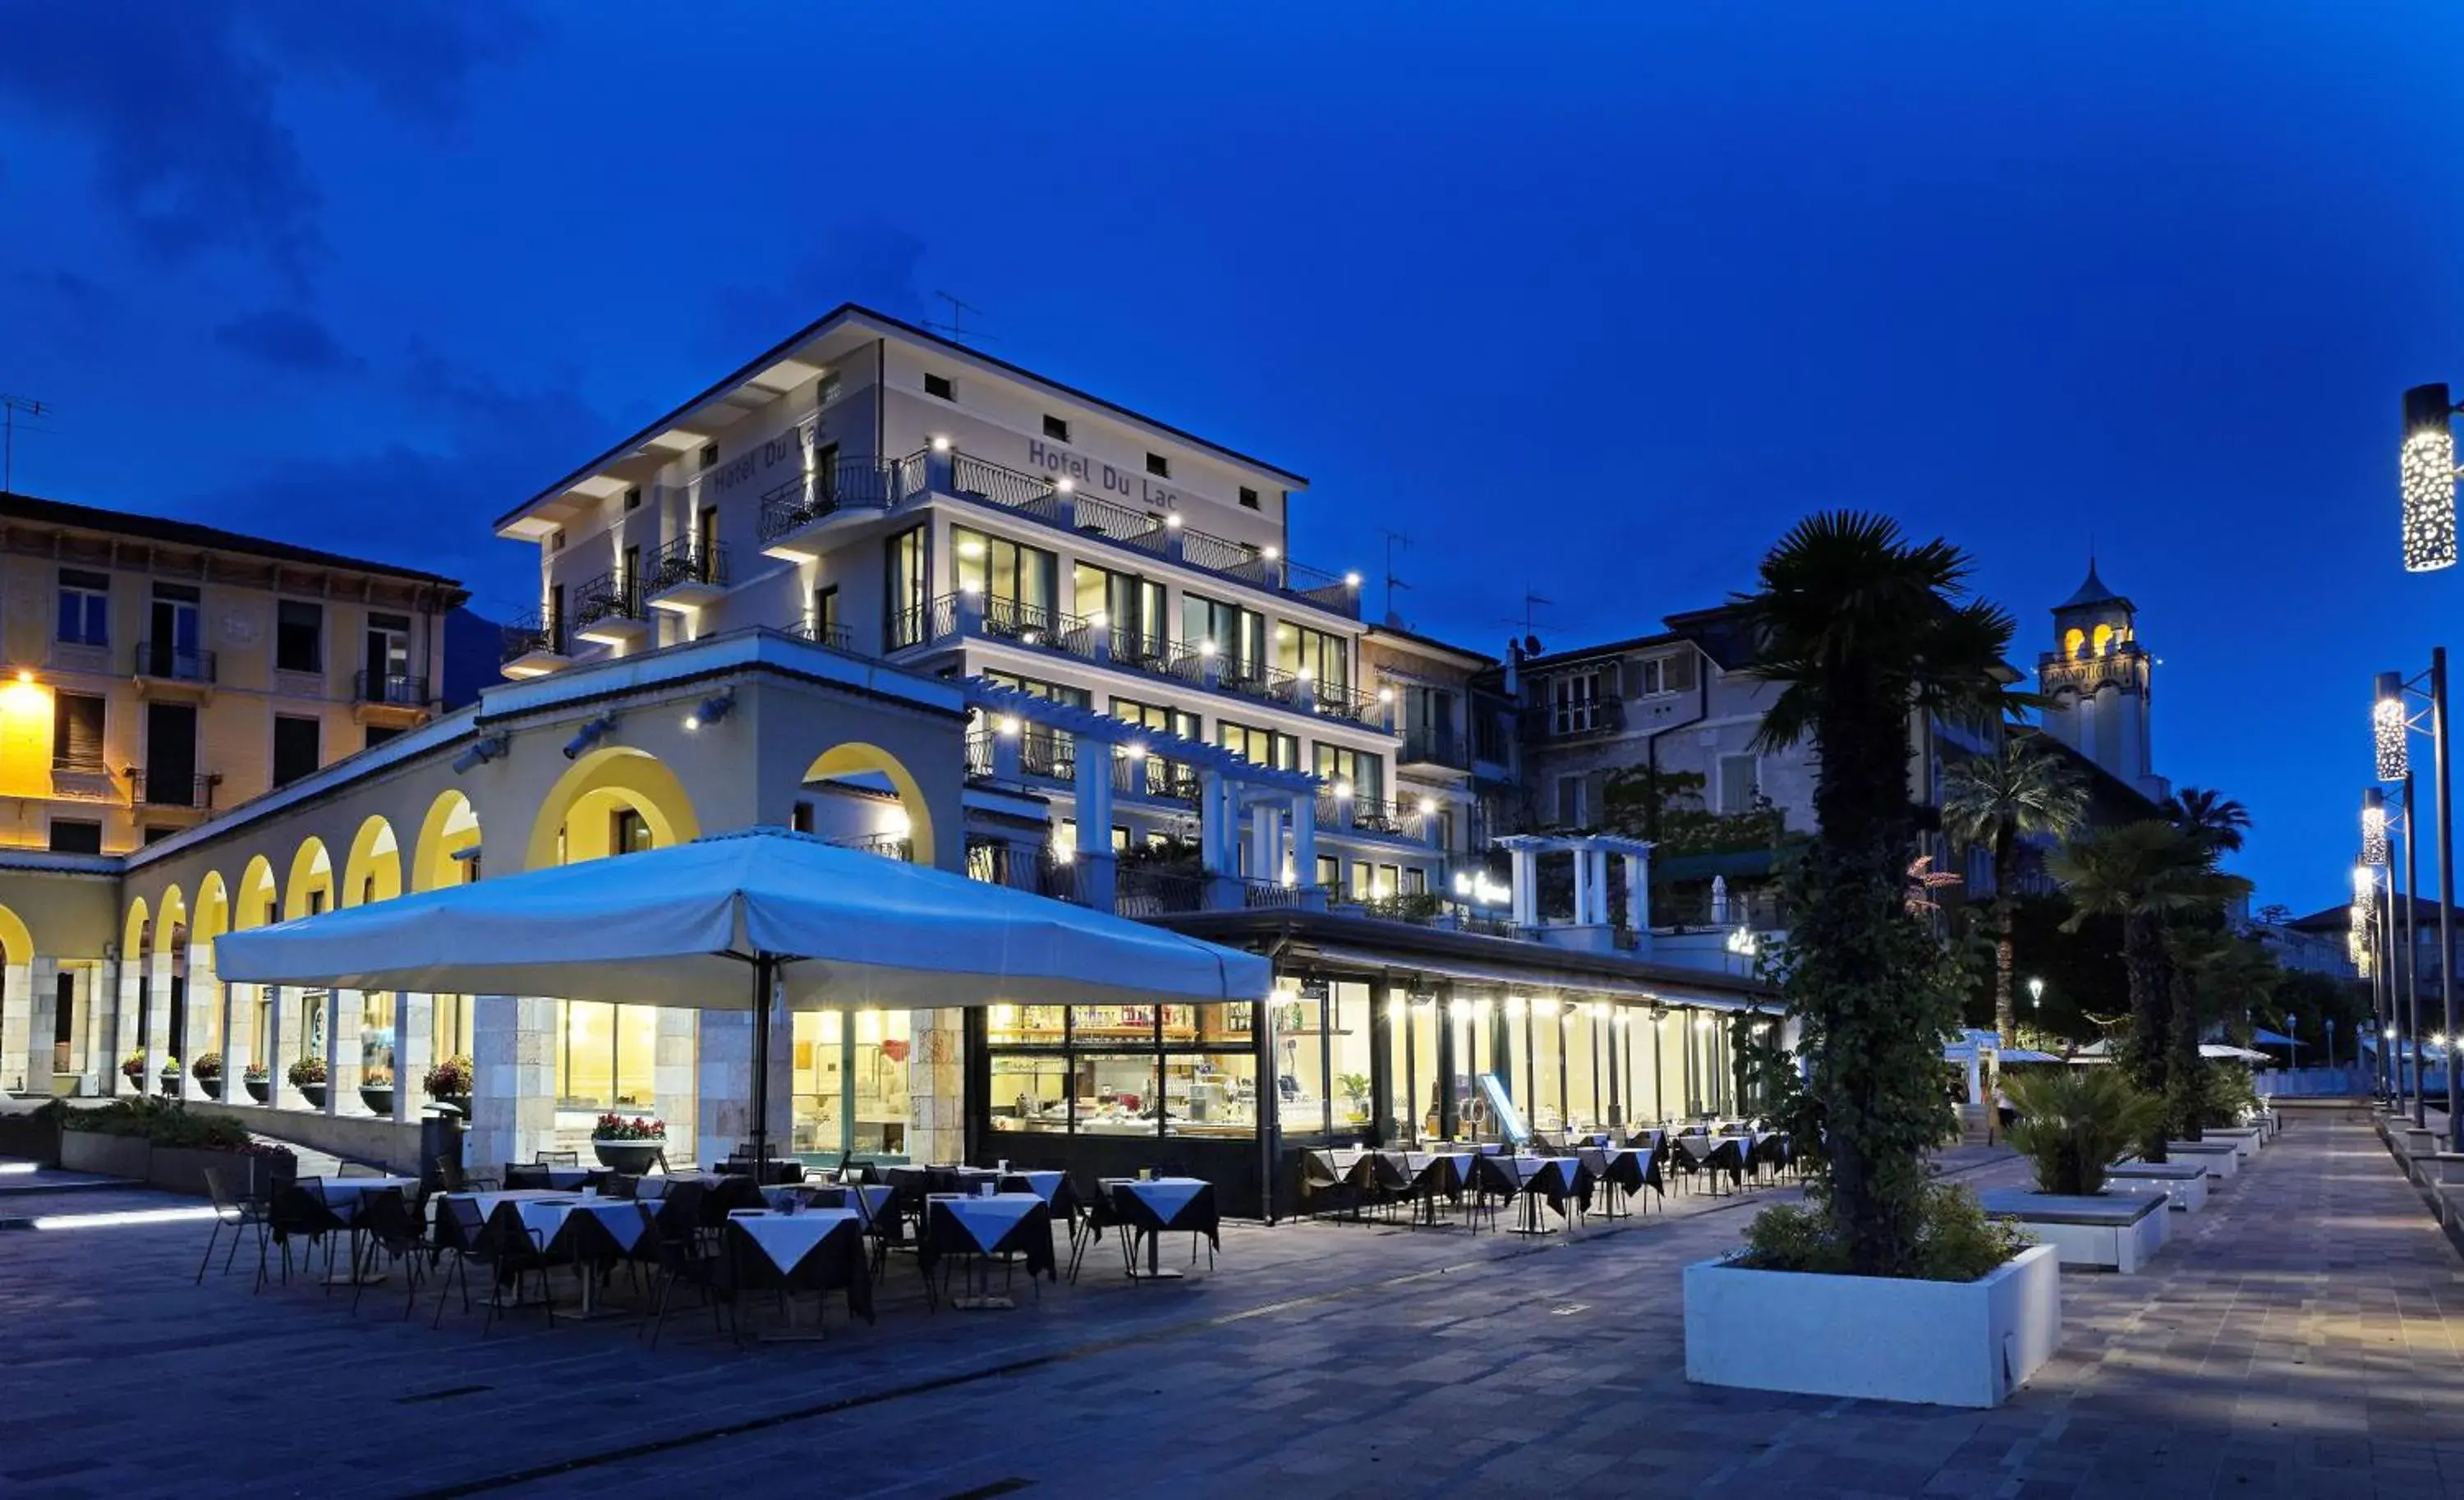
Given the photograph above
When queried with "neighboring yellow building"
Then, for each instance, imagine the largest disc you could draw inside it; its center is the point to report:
(154, 672)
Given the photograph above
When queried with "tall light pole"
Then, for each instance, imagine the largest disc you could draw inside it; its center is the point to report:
(2393, 723)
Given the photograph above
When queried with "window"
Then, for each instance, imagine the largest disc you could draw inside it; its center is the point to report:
(1319, 655)
(555, 539)
(1259, 746)
(387, 660)
(1575, 703)
(1131, 607)
(76, 733)
(826, 389)
(1036, 687)
(1741, 781)
(1655, 675)
(1159, 466)
(939, 387)
(829, 630)
(633, 498)
(1056, 428)
(1366, 774)
(801, 818)
(1569, 802)
(295, 747)
(155, 833)
(1249, 497)
(710, 455)
(1156, 717)
(1240, 635)
(1012, 582)
(75, 836)
(85, 608)
(1099, 1069)
(1650, 677)
(298, 637)
(1329, 872)
(907, 582)
(627, 832)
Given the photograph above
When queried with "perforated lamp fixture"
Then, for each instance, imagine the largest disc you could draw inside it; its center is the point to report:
(2427, 470)
(2387, 728)
(2374, 828)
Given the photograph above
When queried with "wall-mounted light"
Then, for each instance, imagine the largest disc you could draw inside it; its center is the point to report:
(1428, 807)
(940, 443)
(1064, 484)
(1385, 695)
(1134, 751)
(480, 753)
(710, 710)
(1270, 552)
(970, 587)
(1342, 789)
(2387, 728)
(1352, 581)
(2427, 473)
(1206, 647)
(1172, 521)
(1007, 725)
(588, 735)
(971, 549)
(1101, 620)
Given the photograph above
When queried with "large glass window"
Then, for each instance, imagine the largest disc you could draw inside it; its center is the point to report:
(907, 587)
(1259, 746)
(1317, 654)
(1240, 635)
(299, 635)
(1365, 774)
(1131, 607)
(604, 1055)
(850, 1084)
(85, 608)
(1124, 1070)
(1013, 582)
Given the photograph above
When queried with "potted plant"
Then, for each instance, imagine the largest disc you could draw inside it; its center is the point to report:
(258, 1080)
(1356, 1098)
(308, 1076)
(170, 1078)
(133, 1069)
(207, 1068)
(1885, 1282)
(2074, 1124)
(376, 1090)
(448, 1082)
(628, 1144)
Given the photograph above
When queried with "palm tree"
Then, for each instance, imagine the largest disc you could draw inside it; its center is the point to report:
(2150, 874)
(1998, 802)
(1859, 628)
(2213, 820)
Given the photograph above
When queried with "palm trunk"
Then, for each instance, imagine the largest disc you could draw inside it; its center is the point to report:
(2142, 955)
(2185, 1071)
(2006, 872)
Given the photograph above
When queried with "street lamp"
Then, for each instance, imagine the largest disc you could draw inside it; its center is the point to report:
(2392, 716)
(2426, 469)
(2036, 993)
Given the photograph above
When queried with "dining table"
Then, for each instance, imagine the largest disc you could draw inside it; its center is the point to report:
(1155, 1206)
(981, 1227)
(806, 1250)
(343, 1195)
(1530, 1178)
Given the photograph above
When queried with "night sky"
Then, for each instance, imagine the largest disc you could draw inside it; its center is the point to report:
(1590, 301)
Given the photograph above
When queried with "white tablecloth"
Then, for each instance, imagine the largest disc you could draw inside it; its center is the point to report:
(343, 1192)
(1524, 1170)
(1046, 1181)
(620, 1217)
(786, 1239)
(1164, 1195)
(987, 1219)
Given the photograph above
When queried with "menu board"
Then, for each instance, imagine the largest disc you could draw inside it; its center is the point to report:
(1510, 1126)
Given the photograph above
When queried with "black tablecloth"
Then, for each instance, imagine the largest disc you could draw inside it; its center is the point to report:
(1031, 1238)
(1197, 1216)
(835, 1263)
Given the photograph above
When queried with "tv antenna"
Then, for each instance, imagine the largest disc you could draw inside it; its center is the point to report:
(11, 408)
(954, 330)
(1393, 540)
(1533, 605)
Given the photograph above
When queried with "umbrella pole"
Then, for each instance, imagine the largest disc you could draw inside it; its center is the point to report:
(760, 1066)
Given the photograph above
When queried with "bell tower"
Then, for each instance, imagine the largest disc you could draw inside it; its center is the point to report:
(2096, 684)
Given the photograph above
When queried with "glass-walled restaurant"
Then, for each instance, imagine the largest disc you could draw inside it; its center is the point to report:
(1231, 1093)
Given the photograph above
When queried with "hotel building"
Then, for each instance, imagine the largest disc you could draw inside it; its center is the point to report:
(886, 589)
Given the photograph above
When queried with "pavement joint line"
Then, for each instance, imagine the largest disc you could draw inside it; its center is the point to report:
(652, 1447)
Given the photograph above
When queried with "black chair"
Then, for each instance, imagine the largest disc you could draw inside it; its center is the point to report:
(237, 1214)
(298, 1212)
(455, 1233)
(673, 1240)
(1324, 1185)
(526, 1175)
(452, 1178)
(557, 1159)
(513, 1250)
(387, 1228)
(619, 1184)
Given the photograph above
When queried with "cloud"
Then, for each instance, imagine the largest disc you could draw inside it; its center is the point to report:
(180, 99)
(61, 302)
(288, 340)
(873, 262)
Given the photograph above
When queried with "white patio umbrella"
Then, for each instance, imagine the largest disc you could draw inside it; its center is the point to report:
(724, 923)
(2220, 1049)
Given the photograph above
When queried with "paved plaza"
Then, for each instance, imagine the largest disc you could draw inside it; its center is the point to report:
(2292, 1340)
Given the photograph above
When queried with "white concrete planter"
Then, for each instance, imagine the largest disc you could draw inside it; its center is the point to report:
(2244, 1138)
(2112, 1231)
(1945, 1343)
(2218, 1156)
(2185, 1183)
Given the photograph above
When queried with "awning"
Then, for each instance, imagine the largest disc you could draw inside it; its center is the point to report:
(1527, 978)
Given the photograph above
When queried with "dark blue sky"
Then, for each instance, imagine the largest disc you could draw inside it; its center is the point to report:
(1590, 302)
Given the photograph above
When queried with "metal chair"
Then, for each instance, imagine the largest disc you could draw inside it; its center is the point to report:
(237, 1214)
(387, 1228)
(557, 1159)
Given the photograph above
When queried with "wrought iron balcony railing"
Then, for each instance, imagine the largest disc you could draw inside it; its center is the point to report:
(539, 630)
(170, 662)
(407, 689)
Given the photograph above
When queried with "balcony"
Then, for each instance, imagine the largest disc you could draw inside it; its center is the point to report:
(166, 671)
(1342, 811)
(1762, 910)
(1151, 891)
(888, 845)
(534, 645)
(1432, 745)
(84, 779)
(607, 610)
(1152, 778)
(1567, 722)
(683, 576)
(178, 793)
(798, 517)
(1055, 504)
(389, 697)
(830, 637)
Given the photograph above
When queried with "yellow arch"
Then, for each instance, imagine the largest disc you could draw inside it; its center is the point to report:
(602, 781)
(132, 931)
(312, 873)
(259, 896)
(450, 826)
(2075, 642)
(18, 942)
(856, 758)
(373, 872)
(213, 910)
(168, 918)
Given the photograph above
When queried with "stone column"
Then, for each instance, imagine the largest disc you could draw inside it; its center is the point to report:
(672, 1080)
(42, 1023)
(513, 1039)
(1582, 887)
(239, 1042)
(1098, 871)
(17, 1005)
(723, 1109)
(936, 1086)
(342, 1052)
(1304, 806)
(414, 1047)
(1525, 873)
(290, 1023)
(157, 1017)
(1638, 901)
(203, 1003)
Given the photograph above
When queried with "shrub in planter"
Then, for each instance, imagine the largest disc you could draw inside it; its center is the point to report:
(2227, 1097)
(448, 1082)
(170, 1077)
(133, 1069)
(376, 1090)
(1955, 1240)
(627, 1143)
(206, 1068)
(258, 1082)
(2073, 1124)
(308, 1076)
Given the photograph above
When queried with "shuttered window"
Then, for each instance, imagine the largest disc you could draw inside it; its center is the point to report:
(77, 732)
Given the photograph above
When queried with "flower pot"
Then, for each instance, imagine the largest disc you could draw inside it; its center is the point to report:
(460, 1101)
(1952, 1343)
(170, 1086)
(377, 1097)
(212, 1086)
(313, 1093)
(259, 1088)
(633, 1158)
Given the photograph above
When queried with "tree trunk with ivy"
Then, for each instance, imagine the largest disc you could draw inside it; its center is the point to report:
(2006, 875)
(2186, 1072)
(2146, 1057)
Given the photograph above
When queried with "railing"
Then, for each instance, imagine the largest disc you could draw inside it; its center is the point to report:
(907, 475)
(1375, 815)
(833, 636)
(145, 791)
(165, 660)
(539, 630)
(1430, 744)
(890, 846)
(1055, 877)
(1347, 703)
(979, 753)
(1418, 908)
(407, 688)
(1153, 775)
(1144, 890)
(1006, 488)
(1605, 715)
(683, 561)
(1268, 894)
(611, 595)
(850, 484)
(1683, 911)
(996, 862)
(1117, 522)
(1045, 750)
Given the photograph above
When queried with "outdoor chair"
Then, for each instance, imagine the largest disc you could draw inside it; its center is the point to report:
(619, 1184)
(1388, 1180)
(298, 1212)
(673, 1240)
(457, 1233)
(388, 1229)
(557, 1159)
(451, 1177)
(515, 1251)
(359, 1169)
(1684, 1166)
(525, 1176)
(1322, 1187)
(236, 1214)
